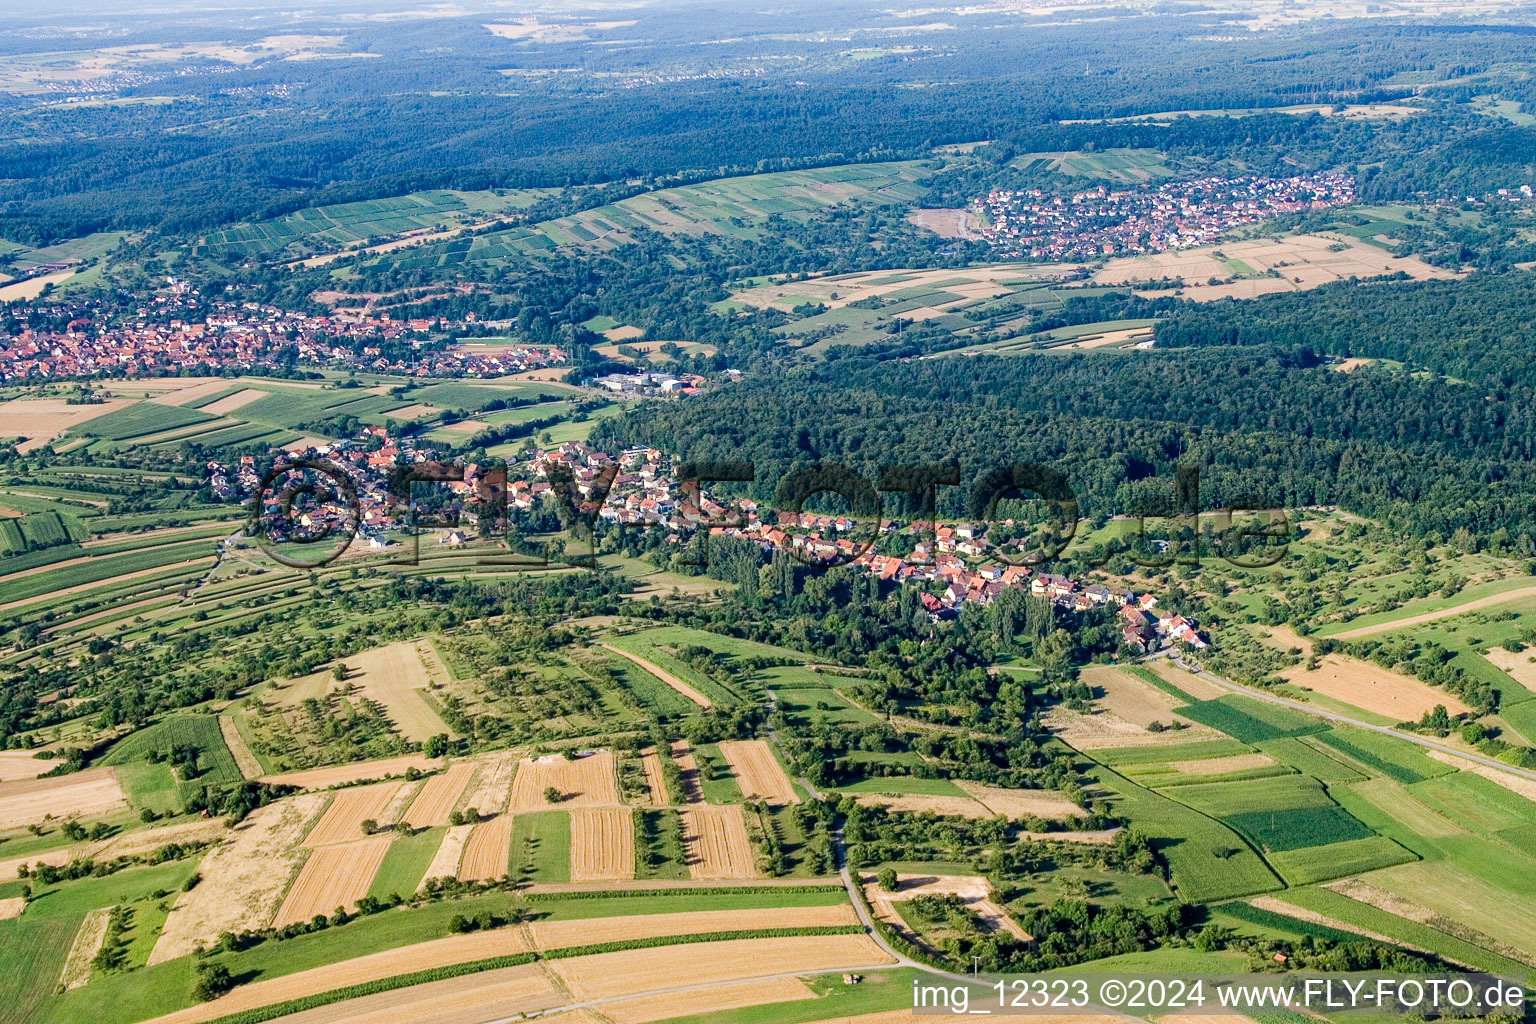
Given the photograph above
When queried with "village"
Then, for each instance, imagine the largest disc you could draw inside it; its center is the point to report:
(179, 331)
(1147, 218)
(954, 564)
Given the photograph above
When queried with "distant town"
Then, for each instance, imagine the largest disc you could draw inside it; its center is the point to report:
(1147, 218)
(179, 331)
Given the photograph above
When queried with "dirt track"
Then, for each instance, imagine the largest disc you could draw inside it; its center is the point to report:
(662, 674)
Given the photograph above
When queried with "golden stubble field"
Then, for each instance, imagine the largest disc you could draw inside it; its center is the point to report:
(586, 781)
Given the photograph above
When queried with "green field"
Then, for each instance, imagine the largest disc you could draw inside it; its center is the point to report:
(406, 862)
(1397, 759)
(541, 846)
(1248, 720)
(216, 765)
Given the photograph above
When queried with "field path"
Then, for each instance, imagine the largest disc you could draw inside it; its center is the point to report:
(662, 674)
(246, 761)
(1442, 613)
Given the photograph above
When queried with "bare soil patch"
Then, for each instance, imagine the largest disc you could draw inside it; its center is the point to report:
(1023, 803)
(357, 771)
(758, 772)
(1185, 680)
(88, 794)
(492, 786)
(945, 223)
(974, 890)
(243, 879)
(920, 803)
(1222, 765)
(1373, 688)
(715, 842)
(602, 844)
(333, 876)
(445, 862)
(488, 851)
(343, 820)
(605, 975)
(587, 781)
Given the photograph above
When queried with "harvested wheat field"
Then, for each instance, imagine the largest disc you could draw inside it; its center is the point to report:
(758, 772)
(664, 1006)
(20, 764)
(655, 782)
(1130, 698)
(492, 785)
(688, 769)
(1187, 681)
(602, 844)
(343, 820)
(395, 675)
(89, 938)
(1515, 664)
(1023, 803)
(438, 797)
(356, 771)
(246, 761)
(40, 420)
(488, 851)
(88, 794)
(606, 975)
(502, 994)
(1373, 688)
(229, 403)
(715, 842)
(336, 876)
(421, 956)
(414, 412)
(243, 879)
(564, 934)
(1104, 729)
(445, 862)
(12, 906)
(588, 781)
(1222, 765)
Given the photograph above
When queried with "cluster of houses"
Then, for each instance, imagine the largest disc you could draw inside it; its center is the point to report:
(1147, 218)
(179, 329)
(637, 488)
(954, 565)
